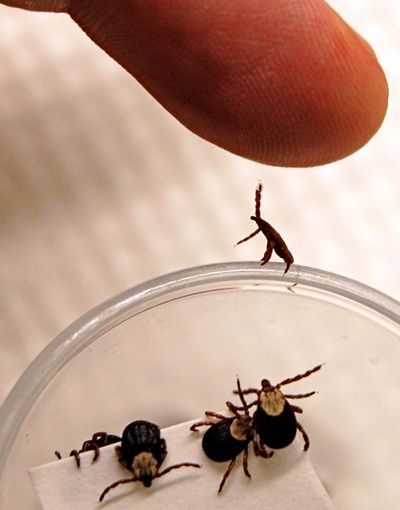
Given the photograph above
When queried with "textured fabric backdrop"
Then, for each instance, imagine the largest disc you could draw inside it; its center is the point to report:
(101, 189)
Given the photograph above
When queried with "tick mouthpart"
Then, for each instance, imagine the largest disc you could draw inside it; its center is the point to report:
(266, 385)
(146, 481)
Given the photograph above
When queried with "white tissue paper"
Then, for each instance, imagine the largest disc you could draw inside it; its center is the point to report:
(283, 482)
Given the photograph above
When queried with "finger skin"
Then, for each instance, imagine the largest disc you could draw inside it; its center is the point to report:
(282, 82)
(39, 5)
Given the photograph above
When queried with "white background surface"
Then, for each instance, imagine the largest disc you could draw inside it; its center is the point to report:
(101, 189)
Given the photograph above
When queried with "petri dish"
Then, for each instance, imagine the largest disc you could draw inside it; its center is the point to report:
(171, 348)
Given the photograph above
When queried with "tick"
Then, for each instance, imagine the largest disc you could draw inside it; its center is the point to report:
(226, 438)
(274, 420)
(142, 452)
(274, 239)
(98, 440)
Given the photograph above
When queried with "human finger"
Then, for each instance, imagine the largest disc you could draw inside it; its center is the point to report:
(282, 82)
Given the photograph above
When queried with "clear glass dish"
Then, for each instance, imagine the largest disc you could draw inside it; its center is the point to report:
(171, 348)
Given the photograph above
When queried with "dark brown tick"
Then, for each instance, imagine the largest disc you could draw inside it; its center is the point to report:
(274, 420)
(274, 239)
(142, 452)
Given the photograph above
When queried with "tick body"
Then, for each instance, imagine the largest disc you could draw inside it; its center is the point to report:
(228, 437)
(274, 239)
(142, 452)
(98, 440)
(274, 420)
(276, 430)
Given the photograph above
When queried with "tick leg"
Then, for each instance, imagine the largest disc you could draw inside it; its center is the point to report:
(244, 407)
(245, 462)
(75, 453)
(88, 445)
(247, 391)
(258, 200)
(300, 376)
(194, 427)
(107, 489)
(267, 254)
(215, 415)
(99, 435)
(92, 444)
(58, 455)
(260, 450)
(96, 453)
(257, 214)
(301, 395)
(249, 237)
(240, 393)
(240, 408)
(296, 409)
(234, 409)
(176, 466)
(227, 473)
(305, 437)
(289, 262)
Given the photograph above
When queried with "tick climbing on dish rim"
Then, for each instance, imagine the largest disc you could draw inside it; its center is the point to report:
(274, 239)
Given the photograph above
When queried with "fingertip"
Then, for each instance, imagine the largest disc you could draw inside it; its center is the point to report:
(286, 83)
